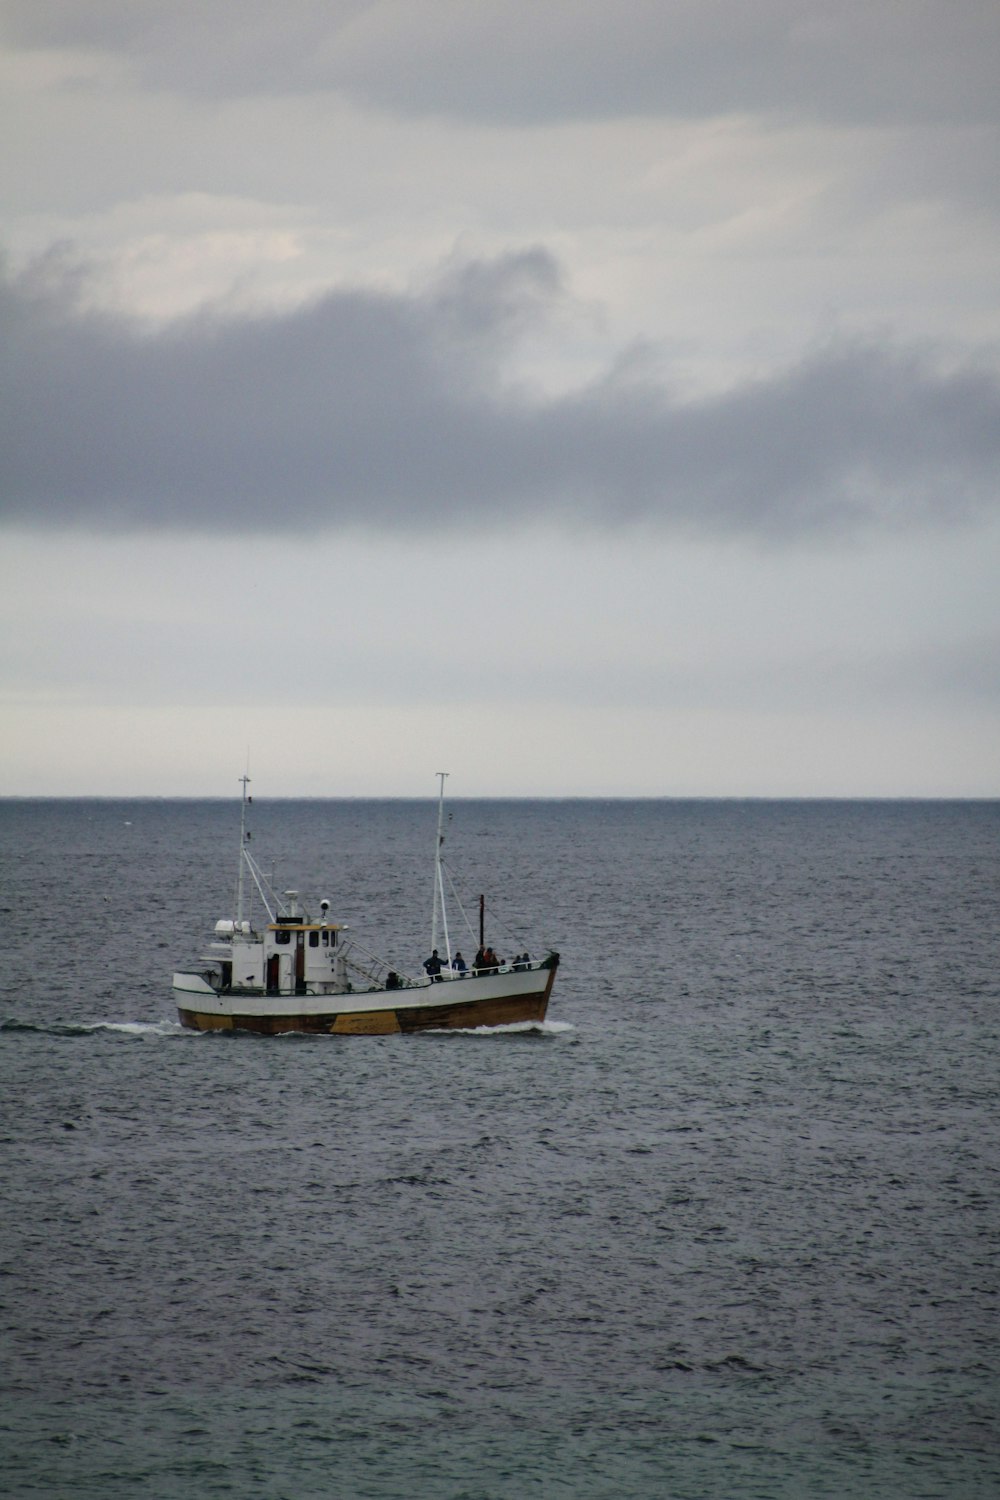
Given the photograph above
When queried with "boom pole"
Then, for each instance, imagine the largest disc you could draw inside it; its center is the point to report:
(245, 779)
(439, 907)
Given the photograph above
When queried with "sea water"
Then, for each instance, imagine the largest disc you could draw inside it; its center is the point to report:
(725, 1226)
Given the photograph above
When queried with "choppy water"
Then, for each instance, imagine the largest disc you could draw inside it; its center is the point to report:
(725, 1227)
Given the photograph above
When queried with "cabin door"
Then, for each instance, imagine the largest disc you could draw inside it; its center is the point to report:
(273, 973)
(300, 964)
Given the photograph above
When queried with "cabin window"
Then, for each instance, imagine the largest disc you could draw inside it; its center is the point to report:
(282, 935)
(314, 940)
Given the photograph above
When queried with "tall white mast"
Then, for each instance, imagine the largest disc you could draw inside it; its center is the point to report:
(439, 905)
(245, 779)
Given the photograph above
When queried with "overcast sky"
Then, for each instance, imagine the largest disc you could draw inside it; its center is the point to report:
(586, 397)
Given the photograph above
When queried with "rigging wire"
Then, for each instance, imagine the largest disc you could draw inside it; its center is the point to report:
(498, 920)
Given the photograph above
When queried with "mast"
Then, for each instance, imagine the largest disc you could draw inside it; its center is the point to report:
(245, 779)
(439, 907)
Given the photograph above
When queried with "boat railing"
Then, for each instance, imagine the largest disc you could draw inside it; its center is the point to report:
(375, 971)
(470, 972)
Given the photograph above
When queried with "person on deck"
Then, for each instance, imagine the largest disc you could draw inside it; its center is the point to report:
(433, 967)
(459, 965)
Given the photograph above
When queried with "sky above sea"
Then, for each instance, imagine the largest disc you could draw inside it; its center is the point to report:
(591, 398)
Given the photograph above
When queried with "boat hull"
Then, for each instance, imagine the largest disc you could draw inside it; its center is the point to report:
(483, 1000)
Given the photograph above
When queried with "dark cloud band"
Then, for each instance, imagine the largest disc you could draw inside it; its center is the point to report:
(371, 409)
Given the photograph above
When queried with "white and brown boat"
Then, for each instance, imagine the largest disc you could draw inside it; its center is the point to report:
(296, 972)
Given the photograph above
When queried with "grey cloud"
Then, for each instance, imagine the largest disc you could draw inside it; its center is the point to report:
(393, 410)
(521, 61)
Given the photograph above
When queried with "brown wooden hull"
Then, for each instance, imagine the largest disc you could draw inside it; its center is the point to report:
(503, 1010)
